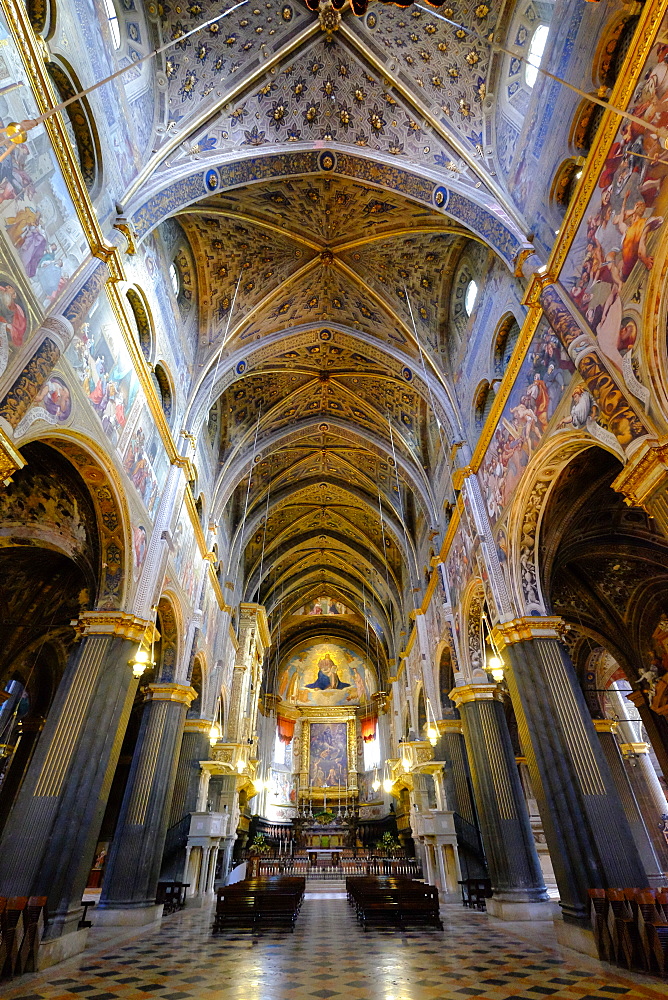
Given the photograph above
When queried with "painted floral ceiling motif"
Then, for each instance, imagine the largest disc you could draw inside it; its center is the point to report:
(330, 211)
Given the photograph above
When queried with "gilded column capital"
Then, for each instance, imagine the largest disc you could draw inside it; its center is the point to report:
(538, 282)
(202, 726)
(181, 693)
(632, 749)
(459, 475)
(644, 474)
(10, 459)
(522, 629)
(605, 725)
(117, 623)
(475, 692)
(447, 726)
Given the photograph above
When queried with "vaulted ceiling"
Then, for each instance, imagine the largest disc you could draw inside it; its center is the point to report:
(329, 172)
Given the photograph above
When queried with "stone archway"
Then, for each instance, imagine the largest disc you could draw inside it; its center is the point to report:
(58, 521)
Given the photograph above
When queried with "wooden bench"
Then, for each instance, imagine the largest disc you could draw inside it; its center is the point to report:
(259, 903)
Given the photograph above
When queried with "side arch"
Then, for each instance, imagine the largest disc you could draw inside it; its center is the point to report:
(111, 507)
(525, 517)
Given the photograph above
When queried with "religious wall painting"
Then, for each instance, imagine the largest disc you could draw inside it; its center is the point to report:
(187, 558)
(583, 416)
(324, 606)
(459, 565)
(281, 789)
(144, 460)
(139, 547)
(606, 270)
(52, 405)
(37, 218)
(106, 374)
(328, 754)
(326, 673)
(534, 398)
(14, 320)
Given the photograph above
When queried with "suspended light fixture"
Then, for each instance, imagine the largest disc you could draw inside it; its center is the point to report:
(216, 730)
(494, 663)
(432, 730)
(375, 784)
(140, 661)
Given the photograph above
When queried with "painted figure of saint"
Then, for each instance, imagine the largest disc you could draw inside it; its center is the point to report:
(328, 678)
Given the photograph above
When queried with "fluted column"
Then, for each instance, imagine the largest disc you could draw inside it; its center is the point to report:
(517, 880)
(52, 831)
(606, 729)
(133, 866)
(648, 794)
(587, 832)
(194, 748)
(30, 730)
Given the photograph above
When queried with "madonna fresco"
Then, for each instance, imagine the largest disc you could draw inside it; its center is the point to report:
(326, 673)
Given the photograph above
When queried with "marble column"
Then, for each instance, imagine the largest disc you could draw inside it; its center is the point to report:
(451, 749)
(30, 730)
(133, 866)
(607, 729)
(517, 880)
(195, 747)
(587, 832)
(52, 831)
(648, 794)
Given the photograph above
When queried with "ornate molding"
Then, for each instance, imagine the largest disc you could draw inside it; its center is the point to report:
(476, 692)
(115, 623)
(632, 749)
(181, 693)
(644, 474)
(523, 629)
(605, 725)
(447, 727)
(202, 726)
(10, 459)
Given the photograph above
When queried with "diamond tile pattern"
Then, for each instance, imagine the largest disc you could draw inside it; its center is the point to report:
(328, 957)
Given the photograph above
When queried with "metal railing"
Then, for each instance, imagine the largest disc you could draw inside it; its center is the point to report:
(398, 867)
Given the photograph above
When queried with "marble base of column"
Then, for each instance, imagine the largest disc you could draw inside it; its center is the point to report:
(51, 834)
(518, 888)
(587, 833)
(133, 866)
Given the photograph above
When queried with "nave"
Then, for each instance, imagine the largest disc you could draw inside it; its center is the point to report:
(329, 956)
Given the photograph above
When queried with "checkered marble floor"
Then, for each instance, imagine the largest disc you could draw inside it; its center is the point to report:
(328, 956)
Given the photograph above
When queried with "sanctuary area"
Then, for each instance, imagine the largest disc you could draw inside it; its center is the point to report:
(333, 499)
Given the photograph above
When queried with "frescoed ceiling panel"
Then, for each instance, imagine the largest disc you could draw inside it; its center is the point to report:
(328, 210)
(231, 253)
(328, 93)
(447, 64)
(201, 68)
(325, 295)
(411, 273)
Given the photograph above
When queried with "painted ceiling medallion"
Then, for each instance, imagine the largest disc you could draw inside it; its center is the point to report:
(359, 7)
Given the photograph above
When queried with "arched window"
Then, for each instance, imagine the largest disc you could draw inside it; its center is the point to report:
(163, 385)
(174, 278)
(80, 121)
(470, 296)
(536, 49)
(114, 27)
(483, 403)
